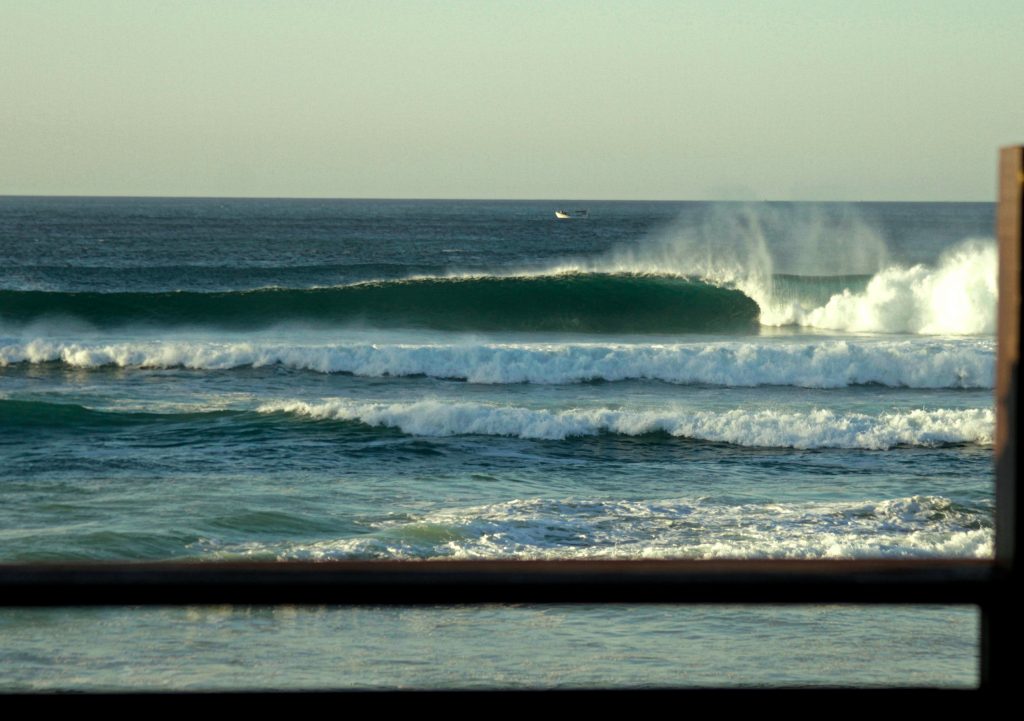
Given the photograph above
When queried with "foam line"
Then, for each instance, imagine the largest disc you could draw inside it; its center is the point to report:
(759, 428)
(827, 364)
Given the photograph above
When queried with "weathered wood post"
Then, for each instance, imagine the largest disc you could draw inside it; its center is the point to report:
(1000, 624)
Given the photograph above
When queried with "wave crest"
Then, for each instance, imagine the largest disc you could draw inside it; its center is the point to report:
(828, 364)
(765, 428)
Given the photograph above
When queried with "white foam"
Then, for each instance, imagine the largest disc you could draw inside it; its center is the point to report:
(828, 364)
(957, 297)
(762, 428)
(917, 526)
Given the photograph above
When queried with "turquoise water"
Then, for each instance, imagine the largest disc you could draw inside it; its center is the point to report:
(489, 647)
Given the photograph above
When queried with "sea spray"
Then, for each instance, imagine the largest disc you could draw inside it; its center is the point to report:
(807, 266)
(747, 246)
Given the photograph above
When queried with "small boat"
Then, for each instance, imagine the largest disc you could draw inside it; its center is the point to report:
(566, 215)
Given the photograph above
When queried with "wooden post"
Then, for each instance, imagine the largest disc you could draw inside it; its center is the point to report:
(1009, 218)
(1000, 624)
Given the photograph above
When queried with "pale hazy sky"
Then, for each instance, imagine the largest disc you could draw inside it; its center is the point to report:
(642, 99)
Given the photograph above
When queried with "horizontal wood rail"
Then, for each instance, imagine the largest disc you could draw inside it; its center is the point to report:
(473, 582)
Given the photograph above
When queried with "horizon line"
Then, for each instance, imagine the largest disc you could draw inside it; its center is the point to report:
(113, 196)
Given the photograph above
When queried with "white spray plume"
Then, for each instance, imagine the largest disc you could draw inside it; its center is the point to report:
(747, 247)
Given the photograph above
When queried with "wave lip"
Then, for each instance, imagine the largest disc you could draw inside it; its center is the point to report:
(829, 364)
(568, 302)
(764, 428)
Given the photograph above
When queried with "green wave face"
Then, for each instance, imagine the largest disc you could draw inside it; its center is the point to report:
(588, 303)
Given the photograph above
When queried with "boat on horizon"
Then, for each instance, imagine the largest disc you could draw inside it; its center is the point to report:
(569, 214)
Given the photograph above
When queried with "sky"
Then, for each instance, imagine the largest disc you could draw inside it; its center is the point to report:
(645, 99)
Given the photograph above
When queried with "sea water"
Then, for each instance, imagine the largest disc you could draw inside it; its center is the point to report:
(226, 379)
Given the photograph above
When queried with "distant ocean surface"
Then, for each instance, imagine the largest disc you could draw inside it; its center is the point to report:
(208, 379)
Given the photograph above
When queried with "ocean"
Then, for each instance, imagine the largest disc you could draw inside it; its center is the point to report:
(232, 379)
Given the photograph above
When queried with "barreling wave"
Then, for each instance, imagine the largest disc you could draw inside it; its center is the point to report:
(829, 364)
(576, 302)
(843, 282)
(700, 528)
(656, 292)
(754, 428)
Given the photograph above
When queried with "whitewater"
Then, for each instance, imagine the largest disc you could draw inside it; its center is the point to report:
(825, 364)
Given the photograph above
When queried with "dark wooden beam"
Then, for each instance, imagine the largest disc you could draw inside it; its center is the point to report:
(626, 700)
(472, 582)
(1009, 219)
(1001, 626)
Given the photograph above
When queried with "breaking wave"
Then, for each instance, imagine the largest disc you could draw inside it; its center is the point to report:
(811, 429)
(756, 428)
(656, 288)
(919, 363)
(841, 280)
